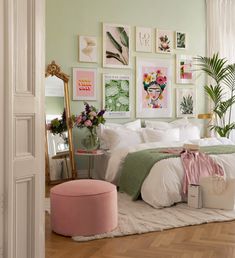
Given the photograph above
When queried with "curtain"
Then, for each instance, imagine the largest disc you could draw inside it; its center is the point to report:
(220, 16)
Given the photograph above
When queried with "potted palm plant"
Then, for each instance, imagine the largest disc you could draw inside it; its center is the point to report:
(220, 91)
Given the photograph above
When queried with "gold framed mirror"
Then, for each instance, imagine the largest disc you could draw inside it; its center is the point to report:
(59, 150)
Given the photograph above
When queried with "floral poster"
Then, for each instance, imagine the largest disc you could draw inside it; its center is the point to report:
(116, 46)
(180, 40)
(84, 84)
(87, 49)
(143, 39)
(116, 95)
(184, 69)
(164, 41)
(186, 102)
(153, 94)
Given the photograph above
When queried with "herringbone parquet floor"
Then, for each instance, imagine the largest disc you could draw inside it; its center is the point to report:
(213, 240)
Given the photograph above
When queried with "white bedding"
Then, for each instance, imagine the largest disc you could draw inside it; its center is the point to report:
(162, 187)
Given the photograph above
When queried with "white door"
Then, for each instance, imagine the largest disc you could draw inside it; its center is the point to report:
(1, 128)
(24, 129)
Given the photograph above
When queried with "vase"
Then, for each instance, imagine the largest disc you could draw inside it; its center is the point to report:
(91, 139)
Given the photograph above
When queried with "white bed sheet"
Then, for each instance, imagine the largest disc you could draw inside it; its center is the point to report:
(163, 186)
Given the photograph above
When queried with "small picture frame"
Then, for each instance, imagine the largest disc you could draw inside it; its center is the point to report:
(116, 46)
(186, 102)
(116, 95)
(185, 72)
(143, 39)
(87, 49)
(180, 40)
(84, 83)
(164, 41)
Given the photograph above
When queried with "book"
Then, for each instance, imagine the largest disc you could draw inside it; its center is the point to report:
(88, 151)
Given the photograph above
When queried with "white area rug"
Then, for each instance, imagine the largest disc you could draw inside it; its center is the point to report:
(138, 217)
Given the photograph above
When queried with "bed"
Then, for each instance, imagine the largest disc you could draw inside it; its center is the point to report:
(163, 185)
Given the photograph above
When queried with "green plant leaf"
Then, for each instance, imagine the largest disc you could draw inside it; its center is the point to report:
(123, 36)
(114, 55)
(114, 42)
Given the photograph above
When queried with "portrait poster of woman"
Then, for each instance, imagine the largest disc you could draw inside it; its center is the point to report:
(153, 97)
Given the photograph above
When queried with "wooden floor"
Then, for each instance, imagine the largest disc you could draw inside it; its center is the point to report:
(215, 240)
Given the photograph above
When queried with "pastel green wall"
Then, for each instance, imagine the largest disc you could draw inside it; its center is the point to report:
(54, 105)
(65, 20)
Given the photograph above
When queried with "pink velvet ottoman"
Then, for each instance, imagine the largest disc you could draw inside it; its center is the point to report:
(83, 207)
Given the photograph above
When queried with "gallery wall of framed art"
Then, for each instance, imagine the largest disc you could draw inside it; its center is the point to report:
(109, 46)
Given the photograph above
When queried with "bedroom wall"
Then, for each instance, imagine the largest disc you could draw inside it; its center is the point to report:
(65, 20)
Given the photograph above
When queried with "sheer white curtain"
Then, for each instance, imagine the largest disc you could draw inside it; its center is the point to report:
(221, 32)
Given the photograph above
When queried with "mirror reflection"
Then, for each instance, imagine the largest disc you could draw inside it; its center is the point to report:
(58, 143)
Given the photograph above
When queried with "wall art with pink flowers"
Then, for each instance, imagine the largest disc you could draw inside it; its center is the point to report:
(153, 93)
(164, 41)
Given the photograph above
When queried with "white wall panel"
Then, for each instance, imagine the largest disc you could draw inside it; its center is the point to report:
(24, 136)
(24, 219)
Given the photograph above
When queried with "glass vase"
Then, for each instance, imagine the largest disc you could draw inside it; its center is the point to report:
(90, 140)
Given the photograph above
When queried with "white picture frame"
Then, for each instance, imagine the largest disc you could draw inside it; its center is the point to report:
(164, 41)
(186, 105)
(116, 49)
(143, 39)
(185, 72)
(149, 105)
(117, 95)
(87, 49)
(84, 83)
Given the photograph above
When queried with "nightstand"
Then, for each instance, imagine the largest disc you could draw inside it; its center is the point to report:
(90, 155)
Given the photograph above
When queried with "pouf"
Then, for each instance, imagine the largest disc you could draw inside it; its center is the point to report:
(83, 207)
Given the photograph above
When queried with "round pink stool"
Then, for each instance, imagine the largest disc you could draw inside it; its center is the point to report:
(83, 207)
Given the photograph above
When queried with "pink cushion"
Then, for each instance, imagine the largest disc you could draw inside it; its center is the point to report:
(83, 207)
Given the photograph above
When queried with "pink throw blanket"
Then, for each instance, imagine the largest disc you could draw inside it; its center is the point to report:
(196, 164)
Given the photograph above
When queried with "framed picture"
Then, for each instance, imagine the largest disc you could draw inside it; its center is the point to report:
(180, 40)
(153, 93)
(143, 39)
(116, 95)
(116, 46)
(84, 84)
(184, 69)
(186, 102)
(87, 49)
(164, 41)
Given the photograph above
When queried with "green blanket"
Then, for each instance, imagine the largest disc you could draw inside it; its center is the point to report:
(137, 166)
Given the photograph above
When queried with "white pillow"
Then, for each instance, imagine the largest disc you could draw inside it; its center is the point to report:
(158, 125)
(121, 137)
(154, 135)
(180, 122)
(189, 132)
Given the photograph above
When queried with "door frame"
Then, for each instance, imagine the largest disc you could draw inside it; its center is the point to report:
(7, 63)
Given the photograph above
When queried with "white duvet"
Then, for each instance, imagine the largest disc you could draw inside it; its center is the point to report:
(163, 186)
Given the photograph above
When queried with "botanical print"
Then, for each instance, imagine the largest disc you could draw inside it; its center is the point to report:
(84, 84)
(153, 88)
(143, 39)
(180, 40)
(116, 95)
(184, 69)
(116, 46)
(87, 49)
(164, 41)
(186, 102)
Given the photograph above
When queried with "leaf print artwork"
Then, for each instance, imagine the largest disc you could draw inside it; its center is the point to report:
(116, 46)
(186, 101)
(87, 49)
(180, 40)
(117, 95)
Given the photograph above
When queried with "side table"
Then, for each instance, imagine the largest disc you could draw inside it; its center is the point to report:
(90, 155)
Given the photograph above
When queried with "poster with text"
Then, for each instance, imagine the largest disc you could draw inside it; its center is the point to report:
(84, 84)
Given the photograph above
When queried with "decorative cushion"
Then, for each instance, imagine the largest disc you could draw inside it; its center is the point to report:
(83, 207)
(153, 135)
